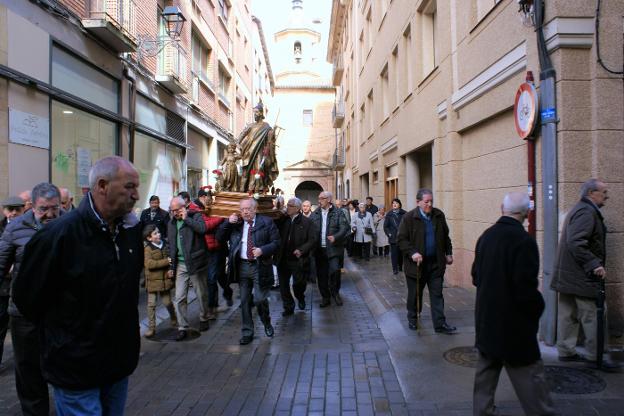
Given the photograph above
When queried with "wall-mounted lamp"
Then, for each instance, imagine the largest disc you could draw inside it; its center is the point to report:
(174, 21)
(528, 12)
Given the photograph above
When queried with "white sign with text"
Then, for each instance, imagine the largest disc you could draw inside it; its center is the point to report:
(29, 129)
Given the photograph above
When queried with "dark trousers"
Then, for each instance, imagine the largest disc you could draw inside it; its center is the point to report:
(365, 250)
(32, 389)
(222, 278)
(288, 268)
(213, 273)
(250, 280)
(4, 322)
(529, 382)
(349, 245)
(396, 257)
(328, 273)
(432, 277)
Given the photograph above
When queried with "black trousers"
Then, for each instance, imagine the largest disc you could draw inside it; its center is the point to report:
(4, 322)
(222, 278)
(431, 277)
(288, 268)
(32, 389)
(365, 249)
(328, 273)
(396, 257)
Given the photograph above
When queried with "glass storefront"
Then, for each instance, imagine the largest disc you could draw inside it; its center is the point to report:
(160, 168)
(78, 140)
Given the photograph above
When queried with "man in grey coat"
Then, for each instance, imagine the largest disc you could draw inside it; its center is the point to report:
(579, 269)
(189, 261)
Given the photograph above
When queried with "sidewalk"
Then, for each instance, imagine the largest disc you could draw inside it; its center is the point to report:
(434, 386)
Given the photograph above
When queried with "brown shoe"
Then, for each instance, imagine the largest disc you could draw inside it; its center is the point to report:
(150, 333)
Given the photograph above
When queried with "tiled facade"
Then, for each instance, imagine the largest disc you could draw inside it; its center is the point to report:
(428, 89)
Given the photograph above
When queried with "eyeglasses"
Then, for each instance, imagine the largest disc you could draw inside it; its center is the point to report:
(323, 197)
(44, 209)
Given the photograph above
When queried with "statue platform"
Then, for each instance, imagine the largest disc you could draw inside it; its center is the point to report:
(228, 203)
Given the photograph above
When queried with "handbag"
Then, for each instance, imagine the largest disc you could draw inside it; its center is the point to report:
(368, 230)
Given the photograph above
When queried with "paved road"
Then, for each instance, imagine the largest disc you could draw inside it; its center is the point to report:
(358, 359)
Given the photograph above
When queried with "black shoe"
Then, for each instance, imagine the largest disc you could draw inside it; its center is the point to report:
(203, 326)
(229, 301)
(446, 329)
(302, 304)
(288, 312)
(268, 330)
(395, 272)
(413, 326)
(576, 358)
(325, 303)
(181, 335)
(245, 340)
(338, 299)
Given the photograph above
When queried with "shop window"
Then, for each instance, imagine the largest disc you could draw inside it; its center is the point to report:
(78, 140)
(160, 167)
(71, 74)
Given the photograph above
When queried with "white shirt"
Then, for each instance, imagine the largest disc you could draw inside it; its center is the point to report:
(243, 250)
(324, 213)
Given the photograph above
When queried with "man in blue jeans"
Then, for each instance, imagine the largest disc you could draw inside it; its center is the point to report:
(79, 282)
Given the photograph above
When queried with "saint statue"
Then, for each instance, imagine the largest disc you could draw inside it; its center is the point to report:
(229, 178)
(257, 144)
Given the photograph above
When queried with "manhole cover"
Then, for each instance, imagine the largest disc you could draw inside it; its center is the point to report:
(170, 334)
(464, 356)
(568, 380)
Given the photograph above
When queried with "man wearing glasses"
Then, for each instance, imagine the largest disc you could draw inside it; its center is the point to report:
(32, 389)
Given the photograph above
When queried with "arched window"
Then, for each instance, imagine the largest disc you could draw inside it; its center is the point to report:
(297, 51)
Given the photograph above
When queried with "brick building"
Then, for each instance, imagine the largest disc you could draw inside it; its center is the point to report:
(82, 79)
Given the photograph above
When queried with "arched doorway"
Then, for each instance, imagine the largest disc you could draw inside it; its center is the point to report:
(309, 190)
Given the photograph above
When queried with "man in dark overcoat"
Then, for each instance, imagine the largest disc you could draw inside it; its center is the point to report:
(579, 273)
(507, 312)
(253, 240)
(424, 240)
(298, 239)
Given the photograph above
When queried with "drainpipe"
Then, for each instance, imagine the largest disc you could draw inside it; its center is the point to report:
(548, 324)
(129, 75)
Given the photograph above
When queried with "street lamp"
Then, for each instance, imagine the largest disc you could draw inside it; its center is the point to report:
(174, 20)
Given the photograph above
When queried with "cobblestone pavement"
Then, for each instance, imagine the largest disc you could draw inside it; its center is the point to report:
(358, 359)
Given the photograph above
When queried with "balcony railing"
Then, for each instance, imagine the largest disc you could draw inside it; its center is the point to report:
(338, 70)
(114, 22)
(338, 162)
(338, 114)
(172, 68)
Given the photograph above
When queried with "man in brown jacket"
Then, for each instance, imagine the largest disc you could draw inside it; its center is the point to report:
(579, 269)
(424, 241)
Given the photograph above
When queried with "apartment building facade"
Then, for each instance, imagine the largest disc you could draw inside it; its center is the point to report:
(428, 90)
(166, 84)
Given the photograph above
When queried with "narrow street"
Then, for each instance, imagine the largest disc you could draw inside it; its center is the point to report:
(358, 359)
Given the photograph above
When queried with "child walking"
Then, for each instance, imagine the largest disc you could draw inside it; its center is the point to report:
(158, 278)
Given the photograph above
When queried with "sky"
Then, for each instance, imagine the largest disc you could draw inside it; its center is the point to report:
(274, 15)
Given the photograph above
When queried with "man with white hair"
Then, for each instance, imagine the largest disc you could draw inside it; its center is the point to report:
(298, 238)
(79, 281)
(507, 312)
(332, 227)
(67, 199)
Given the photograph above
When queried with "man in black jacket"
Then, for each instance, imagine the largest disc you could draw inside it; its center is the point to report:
(424, 240)
(391, 228)
(155, 215)
(189, 262)
(253, 240)
(332, 227)
(32, 389)
(79, 281)
(507, 312)
(298, 239)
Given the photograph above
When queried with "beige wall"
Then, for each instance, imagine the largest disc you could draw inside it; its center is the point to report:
(464, 107)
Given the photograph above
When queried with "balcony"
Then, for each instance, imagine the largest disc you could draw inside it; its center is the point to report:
(338, 161)
(338, 114)
(114, 23)
(172, 68)
(338, 70)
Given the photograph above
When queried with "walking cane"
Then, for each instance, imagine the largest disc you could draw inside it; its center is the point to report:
(418, 273)
(600, 300)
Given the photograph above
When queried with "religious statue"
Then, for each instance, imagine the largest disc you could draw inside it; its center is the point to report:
(257, 144)
(229, 180)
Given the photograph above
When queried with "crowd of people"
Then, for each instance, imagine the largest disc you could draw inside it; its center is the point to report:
(69, 278)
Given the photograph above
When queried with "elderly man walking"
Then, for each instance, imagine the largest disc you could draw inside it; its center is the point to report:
(79, 282)
(253, 239)
(32, 389)
(333, 227)
(424, 241)
(189, 261)
(579, 273)
(507, 312)
(298, 239)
